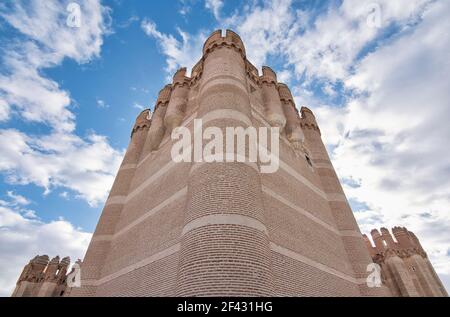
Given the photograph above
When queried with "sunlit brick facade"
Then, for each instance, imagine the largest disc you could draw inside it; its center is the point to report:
(226, 229)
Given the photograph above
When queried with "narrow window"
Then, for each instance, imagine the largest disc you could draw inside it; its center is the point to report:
(308, 160)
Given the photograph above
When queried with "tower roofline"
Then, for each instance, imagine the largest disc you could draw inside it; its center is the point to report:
(231, 37)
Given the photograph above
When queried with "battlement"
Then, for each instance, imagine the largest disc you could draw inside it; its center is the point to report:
(40, 268)
(308, 120)
(268, 75)
(405, 267)
(43, 277)
(405, 242)
(285, 93)
(143, 121)
(231, 39)
(164, 96)
(274, 99)
(180, 78)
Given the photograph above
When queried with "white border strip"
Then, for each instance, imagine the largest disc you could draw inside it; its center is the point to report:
(153, 258)
(225, 219)
(298, 257)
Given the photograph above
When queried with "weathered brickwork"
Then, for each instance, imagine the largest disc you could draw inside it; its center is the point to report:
(404, 264)
(226, 229)
(42, 277)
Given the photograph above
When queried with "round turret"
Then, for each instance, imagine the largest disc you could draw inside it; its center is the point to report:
(231, 39)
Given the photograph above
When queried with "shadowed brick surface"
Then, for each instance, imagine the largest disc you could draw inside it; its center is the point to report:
(225, 229)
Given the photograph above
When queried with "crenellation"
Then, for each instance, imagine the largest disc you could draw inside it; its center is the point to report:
(143, 121)
(231, 40)
(43, 278)
(404, 265)
(308, 120)
(176, 107)
(225, 228)
(271, 98)
(293, 128)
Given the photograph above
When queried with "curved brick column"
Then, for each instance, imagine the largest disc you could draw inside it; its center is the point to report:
(438, 284)
(293, 131)
(400, 275)
(178, 100)
(99, 246)
(274, 110)
(157, 129)
(354, 244)
(224, 244)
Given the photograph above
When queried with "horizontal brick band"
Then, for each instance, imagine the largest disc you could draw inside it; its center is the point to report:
(246, 160)
(153, 258)
(305, 213)
(216, 80)
(224, 114)
(302, 179)
(343, 233)
(151, 179)
(336, 197)
(238, 116)
(225, 219)
(127, 167)
(103, 237)
(324, 165)
(116, 200)
(298, 257)
(351, 233)
(178, 195)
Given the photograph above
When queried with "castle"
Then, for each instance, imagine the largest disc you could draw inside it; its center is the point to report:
(405, 266)
(224, 228)
(43, 278)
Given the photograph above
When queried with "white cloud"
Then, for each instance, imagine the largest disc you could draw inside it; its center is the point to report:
(34, 97)
(215, 6)
(86, 166)
(138, 106)
(183, 52)
(389, 135)
(4, 110)
(22, 238)
(45, 42)
(284, 76)
(45, 23)
(263, 28)
(17, 200)
(394, 135)
(185, 6)
(102, 104)
(60, 157)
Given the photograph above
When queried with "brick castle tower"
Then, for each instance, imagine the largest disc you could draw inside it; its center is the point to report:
(404, 264)
(43, 278)
(226, 229)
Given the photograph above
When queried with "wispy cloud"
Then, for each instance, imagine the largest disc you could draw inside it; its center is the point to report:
(48, 160)
(102, 104)
(388, 128)
(24, 237)
(182, 52)
(215, 6)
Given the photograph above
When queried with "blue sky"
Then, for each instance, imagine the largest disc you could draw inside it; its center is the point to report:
(374, 72)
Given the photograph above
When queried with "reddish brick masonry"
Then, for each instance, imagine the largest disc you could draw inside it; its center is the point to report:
(225, 229)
